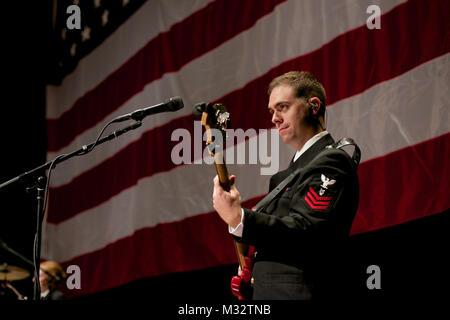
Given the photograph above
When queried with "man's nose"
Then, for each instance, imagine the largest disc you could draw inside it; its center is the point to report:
(276, 118)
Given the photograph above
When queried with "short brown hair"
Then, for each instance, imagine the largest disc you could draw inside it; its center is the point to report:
(304, 84)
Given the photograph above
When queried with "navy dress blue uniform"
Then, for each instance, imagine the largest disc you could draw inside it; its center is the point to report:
(300, 236)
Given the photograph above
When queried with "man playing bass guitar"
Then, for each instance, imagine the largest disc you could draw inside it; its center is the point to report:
(298, 236)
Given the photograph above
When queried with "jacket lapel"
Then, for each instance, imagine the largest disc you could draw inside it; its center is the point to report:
(309, 154)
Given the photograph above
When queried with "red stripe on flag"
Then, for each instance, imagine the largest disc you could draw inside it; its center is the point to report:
(218, 22)
(425, 30)
(136, 161)
(410, 183)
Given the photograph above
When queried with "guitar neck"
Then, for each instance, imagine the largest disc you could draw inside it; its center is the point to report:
(222, 173)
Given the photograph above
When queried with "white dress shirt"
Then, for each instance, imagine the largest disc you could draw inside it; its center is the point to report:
(45, 294)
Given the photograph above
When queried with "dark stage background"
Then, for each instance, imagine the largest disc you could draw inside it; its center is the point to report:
(412, 256)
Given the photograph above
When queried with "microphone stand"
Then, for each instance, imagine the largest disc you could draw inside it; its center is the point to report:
(40, 185)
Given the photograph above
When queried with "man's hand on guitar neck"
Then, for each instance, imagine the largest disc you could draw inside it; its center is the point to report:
(227, 204)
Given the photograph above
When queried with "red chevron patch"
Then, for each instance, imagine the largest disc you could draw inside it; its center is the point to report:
(315, 201)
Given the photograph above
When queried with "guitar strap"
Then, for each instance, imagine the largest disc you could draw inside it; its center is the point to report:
(356, 157)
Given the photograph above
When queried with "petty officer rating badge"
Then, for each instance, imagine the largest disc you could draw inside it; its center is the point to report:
(326, 182)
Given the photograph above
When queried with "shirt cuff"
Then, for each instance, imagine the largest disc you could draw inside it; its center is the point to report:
(239, 228)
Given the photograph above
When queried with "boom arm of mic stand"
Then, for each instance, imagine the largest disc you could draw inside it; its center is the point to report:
(14, 252)
(80, 151)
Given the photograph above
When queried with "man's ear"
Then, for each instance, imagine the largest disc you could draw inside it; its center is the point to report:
(314, 103)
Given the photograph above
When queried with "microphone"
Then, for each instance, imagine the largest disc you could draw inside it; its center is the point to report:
(172, 104)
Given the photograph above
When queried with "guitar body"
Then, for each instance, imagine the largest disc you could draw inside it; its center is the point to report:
(242, 285)
(216, 117)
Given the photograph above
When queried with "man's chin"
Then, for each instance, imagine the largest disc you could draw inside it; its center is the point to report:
(285, 138)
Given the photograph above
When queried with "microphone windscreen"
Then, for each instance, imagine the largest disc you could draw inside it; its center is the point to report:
(175, 103)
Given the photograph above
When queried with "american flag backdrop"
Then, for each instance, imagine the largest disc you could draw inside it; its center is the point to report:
(126, 211)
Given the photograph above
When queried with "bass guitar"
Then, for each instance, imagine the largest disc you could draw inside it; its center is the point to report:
(216, 120)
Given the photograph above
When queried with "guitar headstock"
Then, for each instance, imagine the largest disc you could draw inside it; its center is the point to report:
(214, 118)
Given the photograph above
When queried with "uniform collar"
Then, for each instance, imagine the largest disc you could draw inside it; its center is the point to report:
(312, 151)
(309, 143)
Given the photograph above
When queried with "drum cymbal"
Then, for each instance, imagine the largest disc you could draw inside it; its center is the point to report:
(11, 273)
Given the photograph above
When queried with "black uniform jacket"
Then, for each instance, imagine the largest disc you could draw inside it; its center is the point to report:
(299, 235)
(55, 295)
